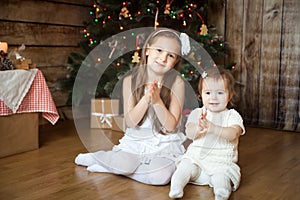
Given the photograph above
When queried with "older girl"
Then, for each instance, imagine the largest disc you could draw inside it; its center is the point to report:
(153, 99)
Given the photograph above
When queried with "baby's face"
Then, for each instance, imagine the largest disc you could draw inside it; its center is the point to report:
(215, 95)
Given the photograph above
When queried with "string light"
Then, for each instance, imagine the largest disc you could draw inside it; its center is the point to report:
(186, 16)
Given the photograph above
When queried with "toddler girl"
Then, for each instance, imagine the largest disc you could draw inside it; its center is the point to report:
(215, 130)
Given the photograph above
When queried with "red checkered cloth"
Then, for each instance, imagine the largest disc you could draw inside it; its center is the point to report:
(38, 99)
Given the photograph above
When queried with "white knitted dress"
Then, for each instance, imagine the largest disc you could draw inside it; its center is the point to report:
(212, 153)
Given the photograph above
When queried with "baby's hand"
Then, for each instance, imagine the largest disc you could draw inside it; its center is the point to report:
(203, 122)
(203, 113)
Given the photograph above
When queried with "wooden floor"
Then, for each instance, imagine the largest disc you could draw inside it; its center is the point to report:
(269, 160)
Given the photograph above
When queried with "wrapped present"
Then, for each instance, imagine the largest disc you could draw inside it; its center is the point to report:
(118, 124)
(102, 112)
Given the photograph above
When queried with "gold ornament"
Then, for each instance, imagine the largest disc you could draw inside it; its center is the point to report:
(167, 9)
(192, 55)
(203, 30)
(136, 57)
(124, 12)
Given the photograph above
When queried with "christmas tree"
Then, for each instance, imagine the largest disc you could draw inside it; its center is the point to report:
(109, 18)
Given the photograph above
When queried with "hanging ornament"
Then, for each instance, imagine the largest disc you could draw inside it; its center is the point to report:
(168, 7)
(192, 55)
(113, 46)
(98, 13)
(203, 30)
(124, 12)
(136, 57)
(155, 19)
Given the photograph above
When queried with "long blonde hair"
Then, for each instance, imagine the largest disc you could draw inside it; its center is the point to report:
(140, 76)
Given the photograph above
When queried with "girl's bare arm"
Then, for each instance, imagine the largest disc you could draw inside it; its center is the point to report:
(133, 113)
(169, 118)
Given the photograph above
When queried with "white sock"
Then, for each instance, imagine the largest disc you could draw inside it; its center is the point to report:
(97, 168)
(85, 159)
(184, 172)
(176, 192)
(222, 186)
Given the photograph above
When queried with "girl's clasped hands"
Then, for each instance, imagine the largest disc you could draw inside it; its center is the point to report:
(153, 92)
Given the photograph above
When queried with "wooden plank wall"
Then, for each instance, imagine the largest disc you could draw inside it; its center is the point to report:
(263, 38)
(50, 30)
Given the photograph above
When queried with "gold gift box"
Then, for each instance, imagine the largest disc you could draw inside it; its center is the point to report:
(102, 112)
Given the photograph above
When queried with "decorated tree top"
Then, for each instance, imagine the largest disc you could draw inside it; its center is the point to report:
(109, 18)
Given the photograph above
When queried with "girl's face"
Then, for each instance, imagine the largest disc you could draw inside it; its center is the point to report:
(215, 95)
(162, 55)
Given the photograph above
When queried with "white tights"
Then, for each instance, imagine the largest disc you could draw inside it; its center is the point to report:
(222, 186)
(156, 172)
(187, 171)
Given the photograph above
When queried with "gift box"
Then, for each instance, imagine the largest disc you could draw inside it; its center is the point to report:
(18, 133)
(118, 124)
(102, 112)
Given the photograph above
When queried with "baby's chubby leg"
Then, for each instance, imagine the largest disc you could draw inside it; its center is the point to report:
(222, 186)
(185, 171)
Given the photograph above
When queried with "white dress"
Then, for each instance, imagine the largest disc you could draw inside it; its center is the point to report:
(212, 153)
(139, 146)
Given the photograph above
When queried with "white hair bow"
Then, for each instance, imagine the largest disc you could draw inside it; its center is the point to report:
(185, 44)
